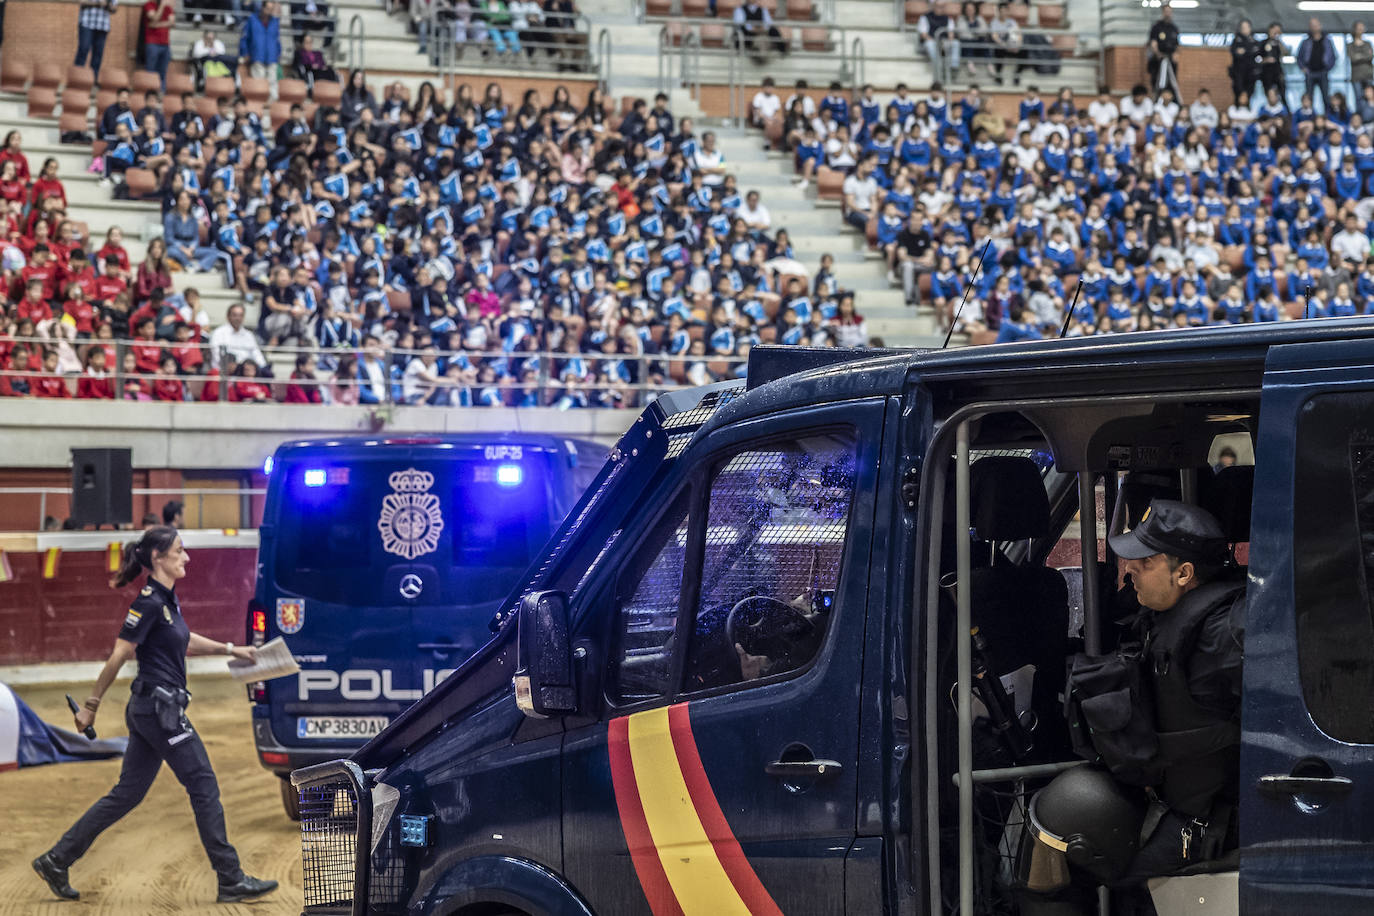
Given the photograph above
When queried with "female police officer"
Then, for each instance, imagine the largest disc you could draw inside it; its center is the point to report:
(155, 632)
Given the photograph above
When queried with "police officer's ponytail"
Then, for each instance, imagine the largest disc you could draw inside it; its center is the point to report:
(137, 555)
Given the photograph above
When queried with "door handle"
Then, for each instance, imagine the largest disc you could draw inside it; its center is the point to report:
(1284, 784)
(805, 769)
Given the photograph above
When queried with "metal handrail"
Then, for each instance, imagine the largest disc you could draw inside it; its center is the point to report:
(603, 60)
(940, 64)
(665, 61)
(858, 59)
(357, 47)
(689, 70)
(198, 492)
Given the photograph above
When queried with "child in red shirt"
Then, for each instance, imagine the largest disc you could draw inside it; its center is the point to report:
(80, 310)
(96, 383)
(187, 352)
(33, 306)
(247, 388)
(309, 391)
(42, 268)
(12, 187)
(114, 247)
(110, 283)
(146, 348)
(47, 183)
(167, 386)
(50, 384)
(136, 387)
(15, 383)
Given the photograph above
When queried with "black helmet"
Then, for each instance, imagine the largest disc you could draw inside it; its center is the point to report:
(1083, 818)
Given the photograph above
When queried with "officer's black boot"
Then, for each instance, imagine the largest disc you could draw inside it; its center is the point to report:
(56, 876)
(245, 888)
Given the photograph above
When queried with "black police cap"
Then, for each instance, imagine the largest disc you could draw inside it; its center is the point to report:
(1173, 528)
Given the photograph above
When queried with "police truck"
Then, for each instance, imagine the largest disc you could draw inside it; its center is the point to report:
(749, 673)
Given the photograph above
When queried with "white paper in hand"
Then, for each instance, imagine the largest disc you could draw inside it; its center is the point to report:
(273, 660)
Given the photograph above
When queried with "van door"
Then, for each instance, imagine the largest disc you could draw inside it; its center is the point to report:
(1307, 761)
(721, 776)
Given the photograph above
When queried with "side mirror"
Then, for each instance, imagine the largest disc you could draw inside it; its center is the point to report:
(544, 670)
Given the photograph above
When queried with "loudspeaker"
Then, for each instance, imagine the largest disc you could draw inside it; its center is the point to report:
(102, 486)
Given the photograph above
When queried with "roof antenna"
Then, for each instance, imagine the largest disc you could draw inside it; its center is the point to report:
(1307, 306)
(1068, 312)
(960, 310)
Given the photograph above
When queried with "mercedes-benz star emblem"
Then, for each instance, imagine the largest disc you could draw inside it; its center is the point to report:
(411, 586)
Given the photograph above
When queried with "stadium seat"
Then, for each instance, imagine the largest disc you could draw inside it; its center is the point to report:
(915, 9)
(659, 8)
(829, 183)
(947, 7)
(291, 90)
(800, 10)
(141, 183)
(143, 81)
(80, 78)
(1020, 12)
(171, 104)
(712, 35)
(42, 101)
(816, 39)
(1051, 15)
(982, 338)
(693, 9)
(76, 102)
(72, 123)
(206, 107)
(773, 131)
(399, 300)
(327, 93)
(112, 78)
(1067, 44)
(179, 83)
(48, 76)
(15, 75)
(217, 87)
(104, 98)
(256, 90)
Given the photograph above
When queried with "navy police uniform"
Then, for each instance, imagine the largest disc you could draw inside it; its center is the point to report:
(159, 731)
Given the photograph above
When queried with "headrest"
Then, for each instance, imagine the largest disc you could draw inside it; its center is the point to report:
(1007, 499)
(1228, 496)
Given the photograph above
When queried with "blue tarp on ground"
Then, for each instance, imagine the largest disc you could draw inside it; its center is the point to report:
(26, 740)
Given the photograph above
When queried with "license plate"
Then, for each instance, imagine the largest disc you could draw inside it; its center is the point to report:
(339, 726)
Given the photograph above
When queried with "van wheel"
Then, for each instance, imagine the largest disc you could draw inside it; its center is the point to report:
(290, 799)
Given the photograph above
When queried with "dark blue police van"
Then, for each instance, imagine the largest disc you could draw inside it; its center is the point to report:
(381, 561)
(735, 681)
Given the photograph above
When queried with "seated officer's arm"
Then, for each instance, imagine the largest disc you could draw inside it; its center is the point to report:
(1214, 674)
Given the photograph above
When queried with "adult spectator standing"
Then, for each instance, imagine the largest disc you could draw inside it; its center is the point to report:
(914, 255)
(260, 45)
(1360, 54)
(1271, 60)
(92, 28)
(1163, 45)
(1245, 58)
(1317, 58)
(861, 194)
(158, 16)
(753, 23)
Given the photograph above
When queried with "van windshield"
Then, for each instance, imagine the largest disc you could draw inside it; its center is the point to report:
(344, 527)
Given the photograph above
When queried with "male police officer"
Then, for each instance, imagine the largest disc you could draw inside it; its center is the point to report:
(1163, 713)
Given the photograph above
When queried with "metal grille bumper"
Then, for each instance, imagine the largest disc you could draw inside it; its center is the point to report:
(336, 824)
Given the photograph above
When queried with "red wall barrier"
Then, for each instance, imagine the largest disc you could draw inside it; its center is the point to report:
(75, 615)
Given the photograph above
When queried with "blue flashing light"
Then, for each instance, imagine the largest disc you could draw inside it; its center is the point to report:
(267, 466)
(510, 475)
(314, 477)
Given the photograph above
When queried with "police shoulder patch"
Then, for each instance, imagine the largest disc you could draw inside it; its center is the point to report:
(147, 590)
(132, 618)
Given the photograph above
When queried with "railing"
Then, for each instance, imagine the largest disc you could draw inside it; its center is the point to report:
(639, 11)
(548, 388)
(691, 51)
(291, 24)
(603, 61)
(567, 47)
(989, 53)
(184, 494)
(357, 47)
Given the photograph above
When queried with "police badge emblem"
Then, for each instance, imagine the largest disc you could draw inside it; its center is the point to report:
(411, 520)
(166, 613)
(290, 615)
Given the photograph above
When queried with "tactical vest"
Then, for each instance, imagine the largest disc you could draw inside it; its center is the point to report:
(1199, 748)
(1134, 711)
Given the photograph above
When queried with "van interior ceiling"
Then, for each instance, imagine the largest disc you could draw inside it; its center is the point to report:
(1009, 553)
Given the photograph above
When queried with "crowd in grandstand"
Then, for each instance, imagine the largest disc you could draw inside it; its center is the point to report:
(407, 251)
(1170, 215)
(420, 252)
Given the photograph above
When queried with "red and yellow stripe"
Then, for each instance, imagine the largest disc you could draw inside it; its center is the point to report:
(51, 557)
(6, 571)
(685, 855)
(114, 556)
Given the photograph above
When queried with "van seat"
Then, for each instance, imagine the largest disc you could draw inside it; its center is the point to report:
(1214, 894)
